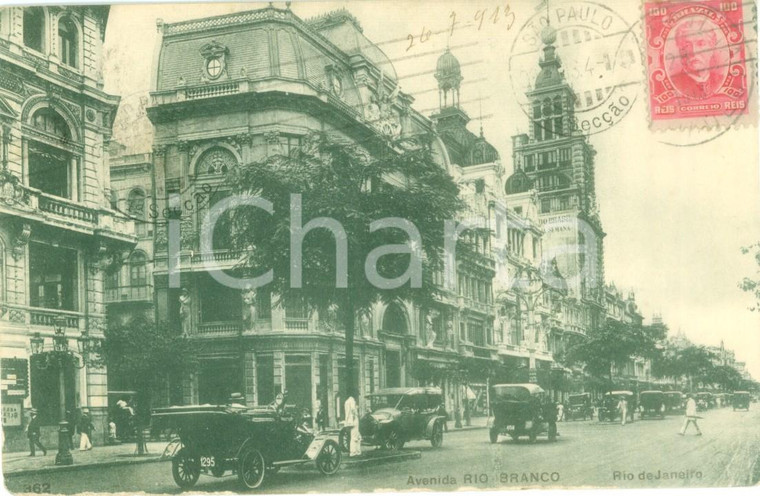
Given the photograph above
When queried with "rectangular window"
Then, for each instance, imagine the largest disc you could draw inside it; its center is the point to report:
(538, 131)
(546, 206)
(218, 302)
(53, 277)
(265, 379)
(564, 203)
(49, 170)
(558, 131)
(548, 129)
(530, 163)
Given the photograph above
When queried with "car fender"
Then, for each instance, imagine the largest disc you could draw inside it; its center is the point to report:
(431, 423)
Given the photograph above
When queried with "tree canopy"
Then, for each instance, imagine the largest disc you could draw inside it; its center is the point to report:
(613, 343)
(353, 189)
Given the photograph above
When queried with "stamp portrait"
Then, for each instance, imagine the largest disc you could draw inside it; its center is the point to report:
(697, 60)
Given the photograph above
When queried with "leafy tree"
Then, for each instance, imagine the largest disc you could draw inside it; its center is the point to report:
(752, 284)
(613, 343)
(695, 363)
(144, 354)
(726, 377)
(347, 183)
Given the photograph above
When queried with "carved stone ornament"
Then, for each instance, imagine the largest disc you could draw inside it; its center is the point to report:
(11, 190)
(99, 258)
(215, 60)
(21, 240)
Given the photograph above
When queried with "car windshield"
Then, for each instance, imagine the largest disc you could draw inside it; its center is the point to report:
(513, 393)
(578, 400)
(385, 401)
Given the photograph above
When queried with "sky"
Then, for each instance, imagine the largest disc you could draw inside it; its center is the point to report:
(677, 205)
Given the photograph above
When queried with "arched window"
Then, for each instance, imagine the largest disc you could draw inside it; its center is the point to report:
(557, 105)
(51, 169)
(137, 272)
(34, 28)
(394, 319)
(49, 121)
(216, 161)
(68, 42)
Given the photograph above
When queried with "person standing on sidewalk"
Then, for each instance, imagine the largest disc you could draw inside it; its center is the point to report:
(85, 431)
(623, 407)
(33, 433)
(352, 420)
(690, 416)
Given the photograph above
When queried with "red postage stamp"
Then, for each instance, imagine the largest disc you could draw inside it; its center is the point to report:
(697, 71)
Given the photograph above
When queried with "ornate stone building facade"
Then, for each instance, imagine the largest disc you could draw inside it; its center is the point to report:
(57, 232)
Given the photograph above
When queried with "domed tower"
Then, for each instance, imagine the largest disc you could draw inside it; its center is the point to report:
(448, 72)
(559, 161)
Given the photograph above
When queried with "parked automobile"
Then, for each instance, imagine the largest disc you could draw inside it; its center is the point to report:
(399, 415)
(705, 401)
(579, 407)
(608, 410)
(521, 410)
(740, 400)
(675, 402)
(652, 404)
(252, 442)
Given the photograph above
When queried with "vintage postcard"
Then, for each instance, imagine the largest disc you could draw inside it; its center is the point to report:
(379, 246)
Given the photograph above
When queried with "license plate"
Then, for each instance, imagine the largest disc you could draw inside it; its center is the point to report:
(208, 461)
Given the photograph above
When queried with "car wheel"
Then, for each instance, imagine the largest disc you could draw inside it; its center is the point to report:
(217, 470)
(344, 440)
(493, 434)
(252, 468)
(392, 441)
(186, 468)
(328, 460)
(436, 440)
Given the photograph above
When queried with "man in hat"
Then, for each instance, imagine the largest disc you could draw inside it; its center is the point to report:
(85, 428)
(33, 433)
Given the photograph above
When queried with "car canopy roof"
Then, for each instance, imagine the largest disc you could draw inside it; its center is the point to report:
(620, 393)
(407, 391)
(517, 390)
(652, 392)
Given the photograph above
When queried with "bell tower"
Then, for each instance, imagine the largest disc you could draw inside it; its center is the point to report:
(559, 161)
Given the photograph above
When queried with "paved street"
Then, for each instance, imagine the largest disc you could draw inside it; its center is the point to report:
(588, 453)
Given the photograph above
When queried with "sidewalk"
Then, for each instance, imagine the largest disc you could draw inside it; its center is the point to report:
(475, 423)
(19, 463)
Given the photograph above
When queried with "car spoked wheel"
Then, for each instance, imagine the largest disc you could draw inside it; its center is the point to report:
(329, 458)
(344, 439)
(392, 441)
(252, 468)
(436, 440)
(185, 469)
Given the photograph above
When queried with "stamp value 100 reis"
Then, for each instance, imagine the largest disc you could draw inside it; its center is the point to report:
(698, 71)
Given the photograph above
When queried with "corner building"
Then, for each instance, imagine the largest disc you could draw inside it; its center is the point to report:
(234, 89)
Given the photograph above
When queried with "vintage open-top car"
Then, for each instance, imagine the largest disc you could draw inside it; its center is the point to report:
(579, 407)
(608, 410)
(403, 414)
(675, 402)
(521, 410)
(252, 442)
(740, 400)
(652, 404)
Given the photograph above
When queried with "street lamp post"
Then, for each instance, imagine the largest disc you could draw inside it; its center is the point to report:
(60, 356)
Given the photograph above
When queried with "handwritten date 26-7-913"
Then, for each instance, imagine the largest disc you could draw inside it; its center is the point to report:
(498, 15)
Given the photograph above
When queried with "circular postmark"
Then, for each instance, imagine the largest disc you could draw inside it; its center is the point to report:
(599, 57)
